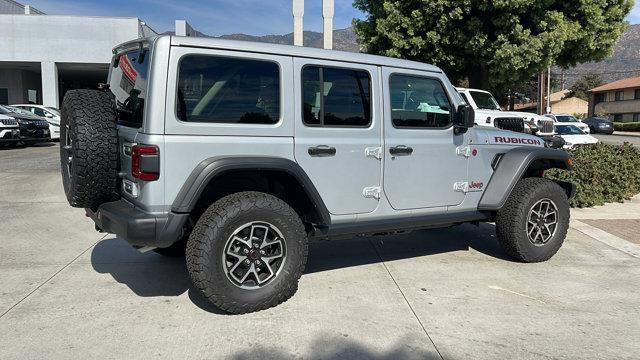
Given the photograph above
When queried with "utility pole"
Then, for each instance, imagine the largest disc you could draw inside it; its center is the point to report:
(298, 28)
(327, 15)
(541, 91)
(548, 91)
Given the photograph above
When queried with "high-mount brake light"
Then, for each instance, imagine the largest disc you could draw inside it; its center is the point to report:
(145, 162)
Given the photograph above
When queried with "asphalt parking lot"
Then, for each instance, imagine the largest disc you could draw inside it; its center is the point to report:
(617, 139)
(70, 292)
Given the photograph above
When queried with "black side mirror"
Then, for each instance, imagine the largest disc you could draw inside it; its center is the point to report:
(465, 119)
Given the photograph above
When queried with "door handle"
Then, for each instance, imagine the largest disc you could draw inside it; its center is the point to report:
(401, 150)
(322, 151)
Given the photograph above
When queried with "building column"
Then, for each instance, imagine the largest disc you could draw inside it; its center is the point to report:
(327, 15)
(49, 74)
(298, 29)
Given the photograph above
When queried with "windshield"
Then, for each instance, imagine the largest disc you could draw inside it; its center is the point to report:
(568, 130)
(4, 110)
(566, 118)
(53, 110)
(128, 82)
(484, 100)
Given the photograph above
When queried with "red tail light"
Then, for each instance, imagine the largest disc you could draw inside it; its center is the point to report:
(145, 162)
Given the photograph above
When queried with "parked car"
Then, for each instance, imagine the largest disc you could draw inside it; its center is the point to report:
(569, 119)
(33, 129)
(572, 136)
(246, 151)
(489, 113)
(51, 114)
(599, 125)
(9, 130)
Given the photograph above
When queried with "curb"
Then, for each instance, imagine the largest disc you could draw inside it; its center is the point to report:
(626, 133)
(606, 238)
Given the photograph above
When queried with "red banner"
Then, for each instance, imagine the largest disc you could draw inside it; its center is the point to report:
(127, 69)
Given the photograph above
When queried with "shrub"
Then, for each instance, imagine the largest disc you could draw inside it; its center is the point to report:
(602, 173)
(626, 126)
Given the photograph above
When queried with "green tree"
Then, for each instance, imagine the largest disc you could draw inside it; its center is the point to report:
(583, 85)
(507, 41)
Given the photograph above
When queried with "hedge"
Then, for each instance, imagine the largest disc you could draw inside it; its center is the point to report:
(602, 173)
(626, 126)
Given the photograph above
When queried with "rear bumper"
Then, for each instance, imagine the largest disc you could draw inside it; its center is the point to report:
(137, 227)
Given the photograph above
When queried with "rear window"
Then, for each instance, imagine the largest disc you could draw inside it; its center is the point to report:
(129, 85)
(214, 89)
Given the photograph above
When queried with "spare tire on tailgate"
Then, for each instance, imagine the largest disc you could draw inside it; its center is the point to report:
(89, 148)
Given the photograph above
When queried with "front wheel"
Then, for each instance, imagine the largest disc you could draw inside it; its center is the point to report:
(247, 252)
(533, 223)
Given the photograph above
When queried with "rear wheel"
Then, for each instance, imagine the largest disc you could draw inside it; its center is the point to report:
(247, 252)
(88, 148)
(533, 224)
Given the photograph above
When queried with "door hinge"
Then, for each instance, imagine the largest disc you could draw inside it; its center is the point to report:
(463, 151)
(374, 152)
(461, 186)
(371, 192)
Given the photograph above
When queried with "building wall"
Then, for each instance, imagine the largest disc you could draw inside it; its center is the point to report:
(624, 109)
(570, 106)
(53, 38)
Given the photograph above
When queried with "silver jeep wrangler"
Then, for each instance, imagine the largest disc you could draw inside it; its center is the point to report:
(239, 153)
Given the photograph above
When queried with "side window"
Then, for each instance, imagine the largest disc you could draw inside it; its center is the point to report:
(336, 97)
(418, 102)
(38, 111)
(215, 89)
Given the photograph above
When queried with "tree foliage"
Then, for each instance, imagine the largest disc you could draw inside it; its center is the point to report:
(506, 41)
(581, 87)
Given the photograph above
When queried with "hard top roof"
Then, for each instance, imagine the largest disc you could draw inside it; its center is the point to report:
(299, 51)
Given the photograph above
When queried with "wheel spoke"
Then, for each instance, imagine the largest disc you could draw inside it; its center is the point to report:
(251, 255)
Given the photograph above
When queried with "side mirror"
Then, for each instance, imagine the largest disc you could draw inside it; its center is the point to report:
(465, 119)
(47, 115)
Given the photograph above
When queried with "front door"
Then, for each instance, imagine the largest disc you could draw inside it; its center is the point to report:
(337, 132)
(424, 159)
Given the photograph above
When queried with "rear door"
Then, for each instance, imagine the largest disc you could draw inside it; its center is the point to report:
(338, 132)
(424, 159)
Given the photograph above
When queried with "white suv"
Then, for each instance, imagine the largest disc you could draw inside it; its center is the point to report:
(566, 119)
(489, 113)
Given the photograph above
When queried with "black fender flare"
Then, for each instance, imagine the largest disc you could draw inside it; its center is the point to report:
(211, 168)
(512, 167)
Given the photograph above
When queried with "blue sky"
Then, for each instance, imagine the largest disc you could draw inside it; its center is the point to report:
(213, 17)
(217, 17)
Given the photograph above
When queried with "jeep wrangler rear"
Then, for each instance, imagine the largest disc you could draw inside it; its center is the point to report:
(239, 153)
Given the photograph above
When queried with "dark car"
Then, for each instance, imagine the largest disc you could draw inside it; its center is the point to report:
(599, 125)
(33, 129)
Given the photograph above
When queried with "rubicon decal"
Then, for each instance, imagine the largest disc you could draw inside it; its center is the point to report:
(516, 140)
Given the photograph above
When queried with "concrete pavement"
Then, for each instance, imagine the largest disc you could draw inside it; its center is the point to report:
(70, 292)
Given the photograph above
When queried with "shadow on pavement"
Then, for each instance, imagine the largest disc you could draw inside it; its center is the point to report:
(150, 274)
(335, 347)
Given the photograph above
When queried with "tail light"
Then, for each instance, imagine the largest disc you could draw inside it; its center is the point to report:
(145, 162)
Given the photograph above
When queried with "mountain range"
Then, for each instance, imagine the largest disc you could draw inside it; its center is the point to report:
(625, 61)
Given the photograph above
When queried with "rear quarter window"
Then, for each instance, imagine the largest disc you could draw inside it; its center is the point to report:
(128, 83)
(214, 89)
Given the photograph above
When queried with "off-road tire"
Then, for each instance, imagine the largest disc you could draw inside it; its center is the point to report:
(512, 218)
(176, 250)
(89, 120)
(206, 246)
